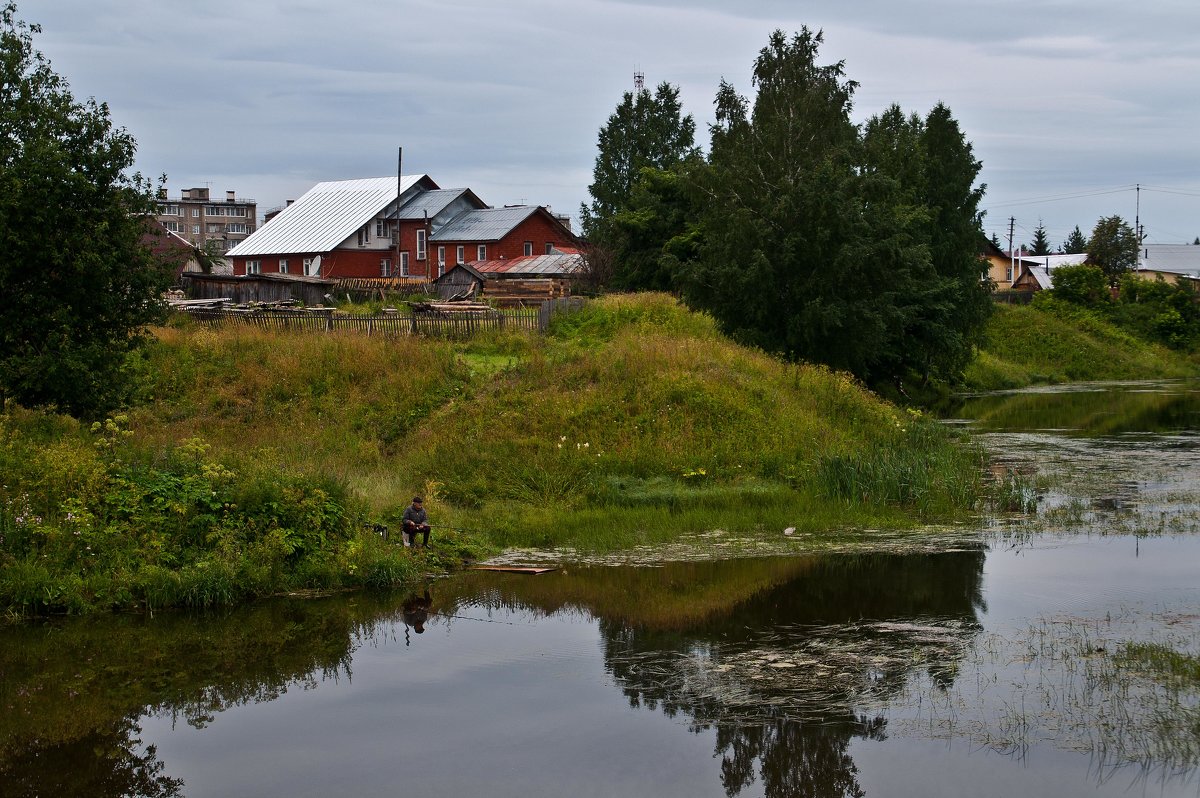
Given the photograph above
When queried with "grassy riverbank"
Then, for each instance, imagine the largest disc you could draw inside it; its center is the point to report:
(1026, 345)
(251, 461)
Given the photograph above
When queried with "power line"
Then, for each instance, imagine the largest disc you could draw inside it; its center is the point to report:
(1062, 197)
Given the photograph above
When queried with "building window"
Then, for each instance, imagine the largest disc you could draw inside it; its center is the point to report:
(481, 251)
(309, 271)
(172, 226)
(364, 235)
(215, 228)
(549, 248)
(528, 248)
(254, 267)
(403, 264)
(195, 213)
(170, 209)
(382, 229)
(385, 267)
(283, 267)
(441, 260)
(195, 229)
(460, 253)
(214, 210)
(238, 211)
(235, 227)
(420, 245)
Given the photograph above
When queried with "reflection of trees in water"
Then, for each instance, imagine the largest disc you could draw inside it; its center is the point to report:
(72, 692)
(780, 679)
(105, 763)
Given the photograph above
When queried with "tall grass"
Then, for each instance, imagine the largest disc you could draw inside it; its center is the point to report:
(252, 459)
(1059, 343)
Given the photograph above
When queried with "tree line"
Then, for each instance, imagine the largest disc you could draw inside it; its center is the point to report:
(801, 232)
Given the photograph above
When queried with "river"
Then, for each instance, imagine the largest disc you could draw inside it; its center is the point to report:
(1022, 653)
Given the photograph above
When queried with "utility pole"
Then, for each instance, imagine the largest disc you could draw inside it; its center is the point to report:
(400, 161)
(1137, 214)
(1012, 256)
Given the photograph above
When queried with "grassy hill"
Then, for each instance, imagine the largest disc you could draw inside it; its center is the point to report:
(252, 460)
(1028, 344)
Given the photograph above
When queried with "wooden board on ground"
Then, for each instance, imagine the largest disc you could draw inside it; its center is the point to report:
(513, 569)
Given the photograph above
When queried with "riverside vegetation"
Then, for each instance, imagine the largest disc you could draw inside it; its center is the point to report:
(253, 463)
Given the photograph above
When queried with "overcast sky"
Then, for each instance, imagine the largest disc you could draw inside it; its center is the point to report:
(1069, 103)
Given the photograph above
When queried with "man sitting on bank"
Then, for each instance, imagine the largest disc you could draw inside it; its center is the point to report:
(415, 520)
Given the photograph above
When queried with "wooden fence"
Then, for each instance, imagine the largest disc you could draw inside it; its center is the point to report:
(393, 325)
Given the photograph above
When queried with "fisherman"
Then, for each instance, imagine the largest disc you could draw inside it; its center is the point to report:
(415, 520)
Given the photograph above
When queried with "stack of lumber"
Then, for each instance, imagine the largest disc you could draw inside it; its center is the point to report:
(452, 308)
(523, 292)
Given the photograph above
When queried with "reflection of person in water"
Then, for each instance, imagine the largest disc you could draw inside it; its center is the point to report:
(415, 612)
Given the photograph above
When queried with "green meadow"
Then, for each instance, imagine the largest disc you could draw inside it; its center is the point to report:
(253, 463)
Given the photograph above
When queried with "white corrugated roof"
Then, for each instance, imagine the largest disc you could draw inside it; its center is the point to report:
(324, 216)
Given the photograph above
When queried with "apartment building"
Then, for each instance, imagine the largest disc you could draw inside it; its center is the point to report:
(201, 219)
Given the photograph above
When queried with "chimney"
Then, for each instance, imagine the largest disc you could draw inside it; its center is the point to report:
(162, 193)
(229, 195)
(289, 202)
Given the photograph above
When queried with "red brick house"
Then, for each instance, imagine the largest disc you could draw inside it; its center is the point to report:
(353, 228)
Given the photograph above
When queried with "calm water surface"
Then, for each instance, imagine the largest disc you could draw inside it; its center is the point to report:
(984, 670)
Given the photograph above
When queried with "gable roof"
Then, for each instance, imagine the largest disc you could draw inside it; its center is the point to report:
(484, 224)
(1174, 258)
(431, 203)
(326, 215)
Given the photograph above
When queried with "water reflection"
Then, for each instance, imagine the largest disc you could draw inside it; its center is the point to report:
(775, 656)
(770, 656)
(73, 691)
(1086, 409)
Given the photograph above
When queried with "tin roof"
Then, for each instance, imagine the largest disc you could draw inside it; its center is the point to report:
(431, 203)
(325, 216)
(1176, 258)
(484, 224)
(535, 266)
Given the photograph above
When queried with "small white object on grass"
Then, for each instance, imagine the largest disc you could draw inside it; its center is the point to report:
(791, 530)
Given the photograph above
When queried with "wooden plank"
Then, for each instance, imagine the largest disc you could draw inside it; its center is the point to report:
(513, 569)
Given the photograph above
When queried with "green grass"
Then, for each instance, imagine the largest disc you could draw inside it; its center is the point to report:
(1057, 343)
(252, 460)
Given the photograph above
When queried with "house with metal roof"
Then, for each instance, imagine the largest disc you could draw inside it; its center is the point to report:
(490, 234)
(366, 228)
(1172, 262)
(340, 228)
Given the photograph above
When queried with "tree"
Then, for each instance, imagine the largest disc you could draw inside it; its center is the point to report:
(1041, 241)
(1075, 243)
(1082, 284)
(962, 305)
(646, 131)
(78, 285)
(857, 250)
(656, 231)
(780, 213)
(1113, 247)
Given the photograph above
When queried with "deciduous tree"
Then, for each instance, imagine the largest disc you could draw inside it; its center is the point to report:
(78, 285)
(1113, 247)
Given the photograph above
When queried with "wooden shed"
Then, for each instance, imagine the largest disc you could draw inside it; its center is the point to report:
(460, 282)
(242, 289)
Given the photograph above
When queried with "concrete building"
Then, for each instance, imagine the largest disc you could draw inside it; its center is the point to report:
(199, 219)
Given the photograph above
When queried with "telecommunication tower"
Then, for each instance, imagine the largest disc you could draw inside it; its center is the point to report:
(639, 81)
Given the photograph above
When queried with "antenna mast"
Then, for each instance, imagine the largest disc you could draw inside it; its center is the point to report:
(639, 81)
